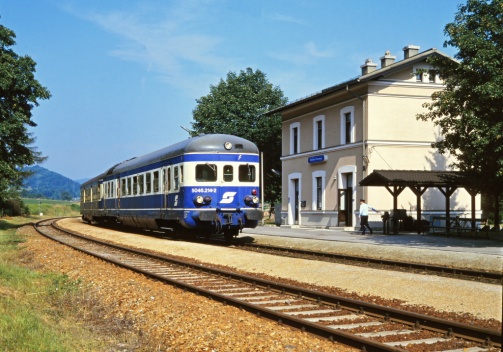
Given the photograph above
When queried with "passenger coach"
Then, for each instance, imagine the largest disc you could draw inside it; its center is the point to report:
(203, 185)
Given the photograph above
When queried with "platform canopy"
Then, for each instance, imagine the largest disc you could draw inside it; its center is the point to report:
(395, 181)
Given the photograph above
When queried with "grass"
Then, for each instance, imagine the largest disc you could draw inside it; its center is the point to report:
(38, 309)
(50, 207)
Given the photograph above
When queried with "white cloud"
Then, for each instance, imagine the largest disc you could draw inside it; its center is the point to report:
(285, 18)
(308, 53)
(166, 40)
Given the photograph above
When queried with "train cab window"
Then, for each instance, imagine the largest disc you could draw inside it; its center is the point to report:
(228, 173)
(206, 172)
(247, 173)
(148, 180)
(156, 181)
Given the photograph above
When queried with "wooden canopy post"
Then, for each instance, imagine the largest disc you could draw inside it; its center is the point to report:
(473, 193)
(395, 193)
(447, 194)
(418, 191)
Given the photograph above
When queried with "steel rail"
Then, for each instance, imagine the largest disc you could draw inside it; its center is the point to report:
(484, 336)
(391, 263)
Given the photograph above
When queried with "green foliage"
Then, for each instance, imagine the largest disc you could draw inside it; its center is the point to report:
(469, 110)
(19, 94)
(238, 106)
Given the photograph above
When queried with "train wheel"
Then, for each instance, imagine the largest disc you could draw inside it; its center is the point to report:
(230, 234)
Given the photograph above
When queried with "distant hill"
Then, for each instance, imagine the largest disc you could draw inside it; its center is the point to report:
(48, 184)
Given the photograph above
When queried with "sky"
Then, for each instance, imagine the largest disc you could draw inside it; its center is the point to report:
(125, 74)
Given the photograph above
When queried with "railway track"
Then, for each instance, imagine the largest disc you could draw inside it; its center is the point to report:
(366, 326)
(457, 273)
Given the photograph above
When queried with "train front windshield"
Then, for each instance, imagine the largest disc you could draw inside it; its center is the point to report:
(210, 173)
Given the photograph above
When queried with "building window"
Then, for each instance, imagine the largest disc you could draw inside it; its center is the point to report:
(318, 190)
(319, 132)
(295, 138)
(347, 125)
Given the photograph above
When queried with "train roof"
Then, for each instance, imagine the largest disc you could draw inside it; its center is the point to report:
(208, 143)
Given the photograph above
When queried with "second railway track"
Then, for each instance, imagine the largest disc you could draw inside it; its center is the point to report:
(458, 273)
(362, 325)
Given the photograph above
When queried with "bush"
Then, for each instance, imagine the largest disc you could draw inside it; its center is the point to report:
(14, 207)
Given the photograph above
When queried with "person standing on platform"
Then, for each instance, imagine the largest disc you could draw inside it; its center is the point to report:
(364, 216)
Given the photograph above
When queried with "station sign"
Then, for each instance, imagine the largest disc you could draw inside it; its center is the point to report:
(317, 159)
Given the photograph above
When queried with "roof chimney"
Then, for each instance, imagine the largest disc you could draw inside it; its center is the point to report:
(368, 67)
(387, 59)
(409, 51)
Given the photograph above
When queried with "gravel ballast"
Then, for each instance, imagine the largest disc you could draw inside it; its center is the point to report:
(445, 294)
(195, 323)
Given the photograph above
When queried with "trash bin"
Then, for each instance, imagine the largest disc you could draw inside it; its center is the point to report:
(277, 215)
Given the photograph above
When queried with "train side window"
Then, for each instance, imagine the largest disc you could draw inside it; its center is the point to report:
(228, 173)
(140, 184)
(176, 180)
(156, 181)
(206, 172)
(148, 180)
(247, 173)
(169, 179)
(135, 184)
(181, 174)
(129, 186)
(123, 186)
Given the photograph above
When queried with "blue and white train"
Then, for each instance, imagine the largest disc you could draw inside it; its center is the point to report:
(204, 185)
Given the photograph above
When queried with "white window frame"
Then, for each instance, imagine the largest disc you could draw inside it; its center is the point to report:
(292, 142)
(343, 112)
(315, 132)
(314, 193)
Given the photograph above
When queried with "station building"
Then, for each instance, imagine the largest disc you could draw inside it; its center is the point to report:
(333, 139)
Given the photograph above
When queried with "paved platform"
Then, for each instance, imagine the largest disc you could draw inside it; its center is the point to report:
(409, 240)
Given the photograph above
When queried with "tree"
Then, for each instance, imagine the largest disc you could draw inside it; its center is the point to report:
(469, 111)
(237, 106)
(19, 92)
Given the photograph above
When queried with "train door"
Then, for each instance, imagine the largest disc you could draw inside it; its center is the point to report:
(117, 193)
(106, 186)
(166, 175)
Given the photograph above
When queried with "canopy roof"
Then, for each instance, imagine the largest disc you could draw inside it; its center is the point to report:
(415, 178)
(418, 181)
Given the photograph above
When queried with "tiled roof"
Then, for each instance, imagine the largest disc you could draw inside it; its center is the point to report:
(413, 178)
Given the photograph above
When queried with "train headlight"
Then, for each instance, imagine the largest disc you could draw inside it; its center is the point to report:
(228, 145)
(251, 200)
(198, 200)
(207, 200)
